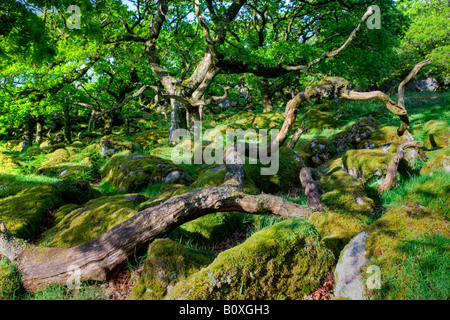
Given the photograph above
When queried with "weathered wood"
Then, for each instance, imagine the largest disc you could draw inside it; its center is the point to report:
(391, 174)
(311, 188)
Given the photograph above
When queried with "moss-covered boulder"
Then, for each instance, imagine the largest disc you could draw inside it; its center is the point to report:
(318, 150)
(437, 134)
(132, 173)
(385, 138)
(112, 144)
(344, 192)
(268, 120)
(76, 192)
(317, 120)
(210, 229)
(53, 147)
(10, 283)
(91, 220)
(167, 263)
(286, 260)
(366, 164)
(352, 136)
(151, 138)
(7, 163)
(70, 171)
(24, 212)
(285, 178)
(439, 160)
(411, 246)
(55, 158)
(337, 228)
(244, 118)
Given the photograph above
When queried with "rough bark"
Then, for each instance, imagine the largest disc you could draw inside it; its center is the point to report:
(311, 188)
(297, 134)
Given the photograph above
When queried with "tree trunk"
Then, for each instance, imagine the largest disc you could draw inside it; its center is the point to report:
(27, 138)
(39, 130)
(67, 124)
(266, 96)
(177, 119)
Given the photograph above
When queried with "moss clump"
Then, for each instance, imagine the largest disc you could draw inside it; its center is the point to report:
(350, 137)
(437, 134)
(10, 283)
(111, 144)
(76, 192)
(268, 120)
(286, 260)
(210, 229)
(317, 120)
(7, 163)
(386, 243)
(338, 228)
(167, 263)
(344, 192)
(318, 150)
(286, 177)
(151, 138)
(91, 220)
(54, 158)
(385, 138)
(132, 173)
(24, 212)
(439, 160)
(366, 164)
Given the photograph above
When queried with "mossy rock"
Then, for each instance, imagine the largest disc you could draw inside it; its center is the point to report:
(244, 118)
(285, 178)
(165, 194)
(53, 147)
(331, 166)
(268, 120)
(55, 158)
(70, 171)
(286, 260)
(167, 263)
(337, 228)
(408, 226)
(317, 120)
(24, 212)
(132, 173)
(15, 145)
(10, 283)
(437, 134)
(76, 192)
(150, 138)
(112, 144)
(439, 160)
(318, 150)
(8, 164)
(210, 229)
(365, 165)
(352, 136)
(386, 138)
(344, 192)
(91, 220)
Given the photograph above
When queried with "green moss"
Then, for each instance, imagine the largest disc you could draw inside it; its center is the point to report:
(437, 134)
(151, 138)
(344, 192)
(8, 164)
(318, 150)
(317, 120)
(91, 220)
(387, 137)
(385, 245)
(285, 178)
(352, 136)
(286, 259)
(338, 228)
(439, 160)
(366, 164)
(268, 120)
(210, 229)
(24, 212)
(132, 173)
(167, 263)
(111, 144)
(10, 280)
